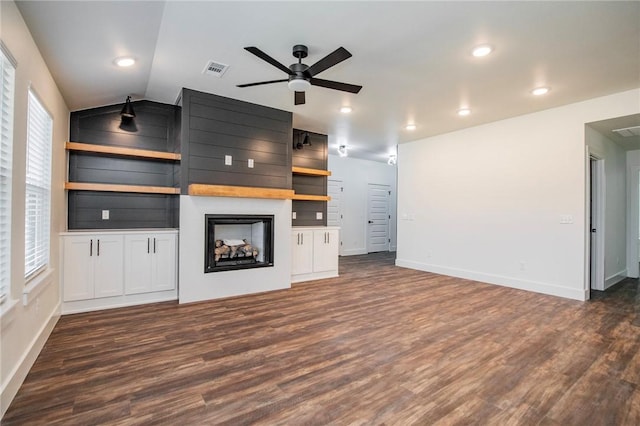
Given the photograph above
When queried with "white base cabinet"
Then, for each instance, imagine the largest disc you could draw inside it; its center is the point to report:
(111, 269)
(314, 253)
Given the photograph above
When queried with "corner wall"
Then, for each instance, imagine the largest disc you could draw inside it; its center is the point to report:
(486, 201)
(27, 319)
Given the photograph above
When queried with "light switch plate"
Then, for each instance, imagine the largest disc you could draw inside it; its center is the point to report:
(105, 214)
(227, 160)
(318, 215)
(293, 215)
(250, 163)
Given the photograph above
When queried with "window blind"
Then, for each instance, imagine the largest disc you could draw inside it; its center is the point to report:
(7, 77)
(38, 187)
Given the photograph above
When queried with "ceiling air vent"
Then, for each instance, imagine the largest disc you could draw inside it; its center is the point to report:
(628, 131)
(215, 68)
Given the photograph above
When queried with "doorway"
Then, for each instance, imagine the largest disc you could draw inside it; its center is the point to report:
(378, 218)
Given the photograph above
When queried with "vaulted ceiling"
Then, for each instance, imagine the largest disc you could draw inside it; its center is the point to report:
(413, 59)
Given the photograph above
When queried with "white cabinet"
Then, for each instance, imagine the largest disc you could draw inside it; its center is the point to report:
(326, 244)
(110, 269)
(302, 252)
(149, 263)
(92, 267)
(314, 253)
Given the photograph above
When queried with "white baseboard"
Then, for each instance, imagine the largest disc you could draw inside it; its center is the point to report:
(534, 286)
(16, 377)
(615, 279)
(353, 252)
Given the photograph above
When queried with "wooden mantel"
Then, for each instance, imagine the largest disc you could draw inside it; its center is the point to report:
(239, 191)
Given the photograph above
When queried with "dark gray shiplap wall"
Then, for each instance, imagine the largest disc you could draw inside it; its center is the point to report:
(155, 127)
(312, 156)
(214, 126)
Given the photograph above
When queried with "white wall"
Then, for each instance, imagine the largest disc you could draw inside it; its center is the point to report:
(633, 210)
(356, 175)
(615, 212)
(487, 200)
(25, 326)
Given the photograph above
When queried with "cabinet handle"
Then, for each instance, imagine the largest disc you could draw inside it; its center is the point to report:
(302, 238)
(91, 248)
(328, 238)
(154, 244)
(148, 245)
(98, 248)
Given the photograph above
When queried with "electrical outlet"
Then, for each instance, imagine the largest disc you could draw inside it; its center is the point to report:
(318, 215)
(250, 163)
(228, 160)
(293, 215)
(105, 214)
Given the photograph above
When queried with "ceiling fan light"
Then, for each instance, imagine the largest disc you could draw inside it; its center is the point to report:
(393, 159)
(298, 85)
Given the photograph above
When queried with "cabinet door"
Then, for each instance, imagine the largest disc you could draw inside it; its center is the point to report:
(108, 266)
(302, 252)
(163, 264)
(138, 255)
(325, 250)
(77, 268)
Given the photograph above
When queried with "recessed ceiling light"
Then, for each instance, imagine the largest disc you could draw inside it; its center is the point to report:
(464, 111)
(482, 50)
(125, 61)
(342, 151)
(345, 109)
(410, 127)
(539, 91)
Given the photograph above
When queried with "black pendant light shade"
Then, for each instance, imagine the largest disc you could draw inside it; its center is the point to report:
(305, 141)
(127, 109)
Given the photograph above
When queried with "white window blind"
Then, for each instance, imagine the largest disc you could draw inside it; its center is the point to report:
(7, 82)
(38, 187)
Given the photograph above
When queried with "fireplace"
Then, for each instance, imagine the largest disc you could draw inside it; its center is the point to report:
(238, 242)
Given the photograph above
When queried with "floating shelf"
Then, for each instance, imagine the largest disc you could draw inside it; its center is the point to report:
(310, 172)
(129, 152)
(306, 197)
(108, 187)
(239, 191)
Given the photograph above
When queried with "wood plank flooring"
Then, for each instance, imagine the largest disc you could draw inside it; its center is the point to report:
(378, 345)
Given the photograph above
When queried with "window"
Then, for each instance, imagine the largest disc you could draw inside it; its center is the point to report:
(38, 187)
(7, 81)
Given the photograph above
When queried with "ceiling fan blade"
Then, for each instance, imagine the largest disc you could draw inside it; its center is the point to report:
(262, 82)
(335, 85)
(299, 98)
(260, 54)
(333, 58)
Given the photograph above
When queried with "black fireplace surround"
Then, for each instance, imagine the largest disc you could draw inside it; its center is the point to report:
(238, 242)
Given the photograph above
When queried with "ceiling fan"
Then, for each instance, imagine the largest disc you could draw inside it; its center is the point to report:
(302, 76)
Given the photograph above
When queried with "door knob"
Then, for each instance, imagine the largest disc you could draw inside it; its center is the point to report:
(370, 221)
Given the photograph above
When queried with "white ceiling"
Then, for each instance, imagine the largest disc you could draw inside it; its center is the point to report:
(412, 58)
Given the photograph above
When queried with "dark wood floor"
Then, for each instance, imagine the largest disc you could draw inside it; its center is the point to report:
(378, 345)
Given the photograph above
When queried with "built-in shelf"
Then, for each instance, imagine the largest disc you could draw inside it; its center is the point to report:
(128, 152)
(239, 191)
(306, 197)
(108, 187)
(309, 172)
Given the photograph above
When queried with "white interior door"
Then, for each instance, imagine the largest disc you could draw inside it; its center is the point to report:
(596, 227)
(334, 206)
(378, 218)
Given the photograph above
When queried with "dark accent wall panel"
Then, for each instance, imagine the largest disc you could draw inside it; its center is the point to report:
(156, 127)
(126, 210)
(313, 156)
(214, 126)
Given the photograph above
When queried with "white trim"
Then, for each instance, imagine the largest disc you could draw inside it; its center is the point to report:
(15, 378)
(534, 286)
(36, 285)
(7, 54)
(7, 310)
(353, 252)
(92, 305)
(599, 221)
(615, 279)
